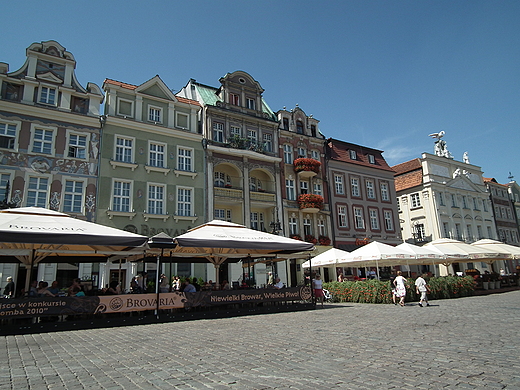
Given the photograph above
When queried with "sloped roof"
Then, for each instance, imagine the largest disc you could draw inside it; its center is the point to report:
(408, 180)
(407, 166)
(339, 151)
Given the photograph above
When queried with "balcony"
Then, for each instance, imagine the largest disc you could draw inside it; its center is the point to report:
(262, 196)
(228, 192)
(310, 203)
(306, 167)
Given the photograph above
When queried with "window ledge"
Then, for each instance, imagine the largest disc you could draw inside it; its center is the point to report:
(191, 218)
(121, 164)
(127, 214)
(148, 216)
(185, 173)
(151, 168)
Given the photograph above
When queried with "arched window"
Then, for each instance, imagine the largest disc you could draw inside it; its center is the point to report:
(255, 184)
(222, 179)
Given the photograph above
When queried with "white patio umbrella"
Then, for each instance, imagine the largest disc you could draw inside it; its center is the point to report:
(423, 255)
(218, 241)
(327, 258)
(376, 254)
(33, 234)
(500, 247)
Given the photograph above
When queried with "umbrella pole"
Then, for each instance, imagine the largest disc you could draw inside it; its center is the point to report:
(310, 281)
(157, 282)
(28, 276)
(377, 270)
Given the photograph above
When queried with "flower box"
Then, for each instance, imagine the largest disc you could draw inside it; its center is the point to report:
(307, 165)
(310, 201)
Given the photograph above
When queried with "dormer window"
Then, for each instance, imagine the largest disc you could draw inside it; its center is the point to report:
(47, 95)
(299, 127)
(234, 99)
(353, 154)
(251, 104)
(313, 130)
(371, 159)
(154, 114)
(285, 123)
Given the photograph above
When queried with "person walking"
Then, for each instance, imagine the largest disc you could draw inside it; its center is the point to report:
(400, 288)
(317, 285)
(421, 287)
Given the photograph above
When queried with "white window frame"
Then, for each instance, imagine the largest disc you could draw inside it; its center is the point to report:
(234, 99)
(221, 178)
(131, 102)
(5, 133)
(288, 154)
(251, 103)
(185, 163)
(222, 214)
(374, 219)
(315, 154)
(385, 193)
(38, 190)
(187, 209)
(372, 159)
(218, 132)
(74, 195)
(293, 226)
(339, 185)
(389, 220)
(252, 136)
(354, 187)
(317, 189)
(415, 200)
(290, 189)
(71, 134)
(304, 187)
(371, 194)
(302, 152)
(235, 131)
(157, 153)
(124, 147)
(155, 114)
(321, 227)
(359, 220)
(185, 117)
(446, 229)
(121, 196)
(43, 141)
(307, 227)
(353, 154)
(342, 216)
(5, 177)
(41, 93)
(268, 142)
(155, 203)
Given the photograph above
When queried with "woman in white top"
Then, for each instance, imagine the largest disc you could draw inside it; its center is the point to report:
(317, 285)
(400, 288)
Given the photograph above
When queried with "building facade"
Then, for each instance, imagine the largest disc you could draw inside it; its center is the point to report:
(152, 168)
(440, 197)
(49, 141)
(362, 196)
(306, 211)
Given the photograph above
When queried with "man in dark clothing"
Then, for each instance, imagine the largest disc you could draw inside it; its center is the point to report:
(9, 288)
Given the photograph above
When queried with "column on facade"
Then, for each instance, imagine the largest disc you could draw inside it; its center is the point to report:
(139, 108)
(247, 197)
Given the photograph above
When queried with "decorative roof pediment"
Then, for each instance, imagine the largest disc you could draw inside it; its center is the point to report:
(467, 216)
(462, 183)
(456, 215)
(49, 76)
(157, 88)
(478, 218)
(242, 78)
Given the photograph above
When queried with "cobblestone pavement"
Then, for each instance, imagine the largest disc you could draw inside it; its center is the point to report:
(467, 343)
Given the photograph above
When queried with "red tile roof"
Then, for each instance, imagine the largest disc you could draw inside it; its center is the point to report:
(120, 84)
(407, 166)
(339, 151)
(188, 101)
(408, 180)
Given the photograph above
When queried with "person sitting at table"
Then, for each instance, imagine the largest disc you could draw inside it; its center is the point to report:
(54, 289)
(278, 284)
(188, 287)
(164, 286)
(76, 282)
(225, 285)
(43, 291)
(76, 292)
(113, 288)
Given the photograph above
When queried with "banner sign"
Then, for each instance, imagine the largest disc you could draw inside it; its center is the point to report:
(43, 307)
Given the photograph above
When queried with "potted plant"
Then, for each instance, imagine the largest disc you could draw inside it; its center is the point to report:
(306, 164)
(296, 237)
(310, 238)
(324, 240)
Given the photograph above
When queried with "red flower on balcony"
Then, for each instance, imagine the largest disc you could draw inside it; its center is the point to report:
(324, 240)
(307, 164)
(310, 201)
(296, 237)
(310, 238)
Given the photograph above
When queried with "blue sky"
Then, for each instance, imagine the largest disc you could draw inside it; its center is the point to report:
(382, 74)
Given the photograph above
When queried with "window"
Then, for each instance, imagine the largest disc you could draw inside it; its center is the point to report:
(47, 95)
(268, 142)
(446, 229)
(509, 214)
(73, 196)
(354, 187)
(338, 183)
(235, 131)
(420, 234)
(304, 187)
(257, 221)
(8, 133)
(234, 99)
(154, 114)
(293, 226)
(313, 130)
(155, 199)
(370, 190)
(121, 196)
(440, 197)
(398, 205)
(223, 214)
(374, 219)
(458, 232)
(317, 189)
(475, 204)
(218, 132)
(184, 206)
(156, 155)
(353, 154)
(464, 202)
(299, 127)
(77, 146)
(302, 152)
(289, 187)
(221, 179)
(321, 227)
(479, 232)
(252, 136)
(315, 155)
(251, 104)
(288, 154)
(469, 230)
(125, 108)
(184, 159)
(342, 217)
(307, 227)
(415, 200)
(389, 220)
(385, 195)
(358, 218)
(485, 206)
(182, 120)
(371, 159)
(37, 191)
(254, 184)
(43, 140)
(285, 122)
(489, 232)
(124, 149)
(5, 179)
(453, 200)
